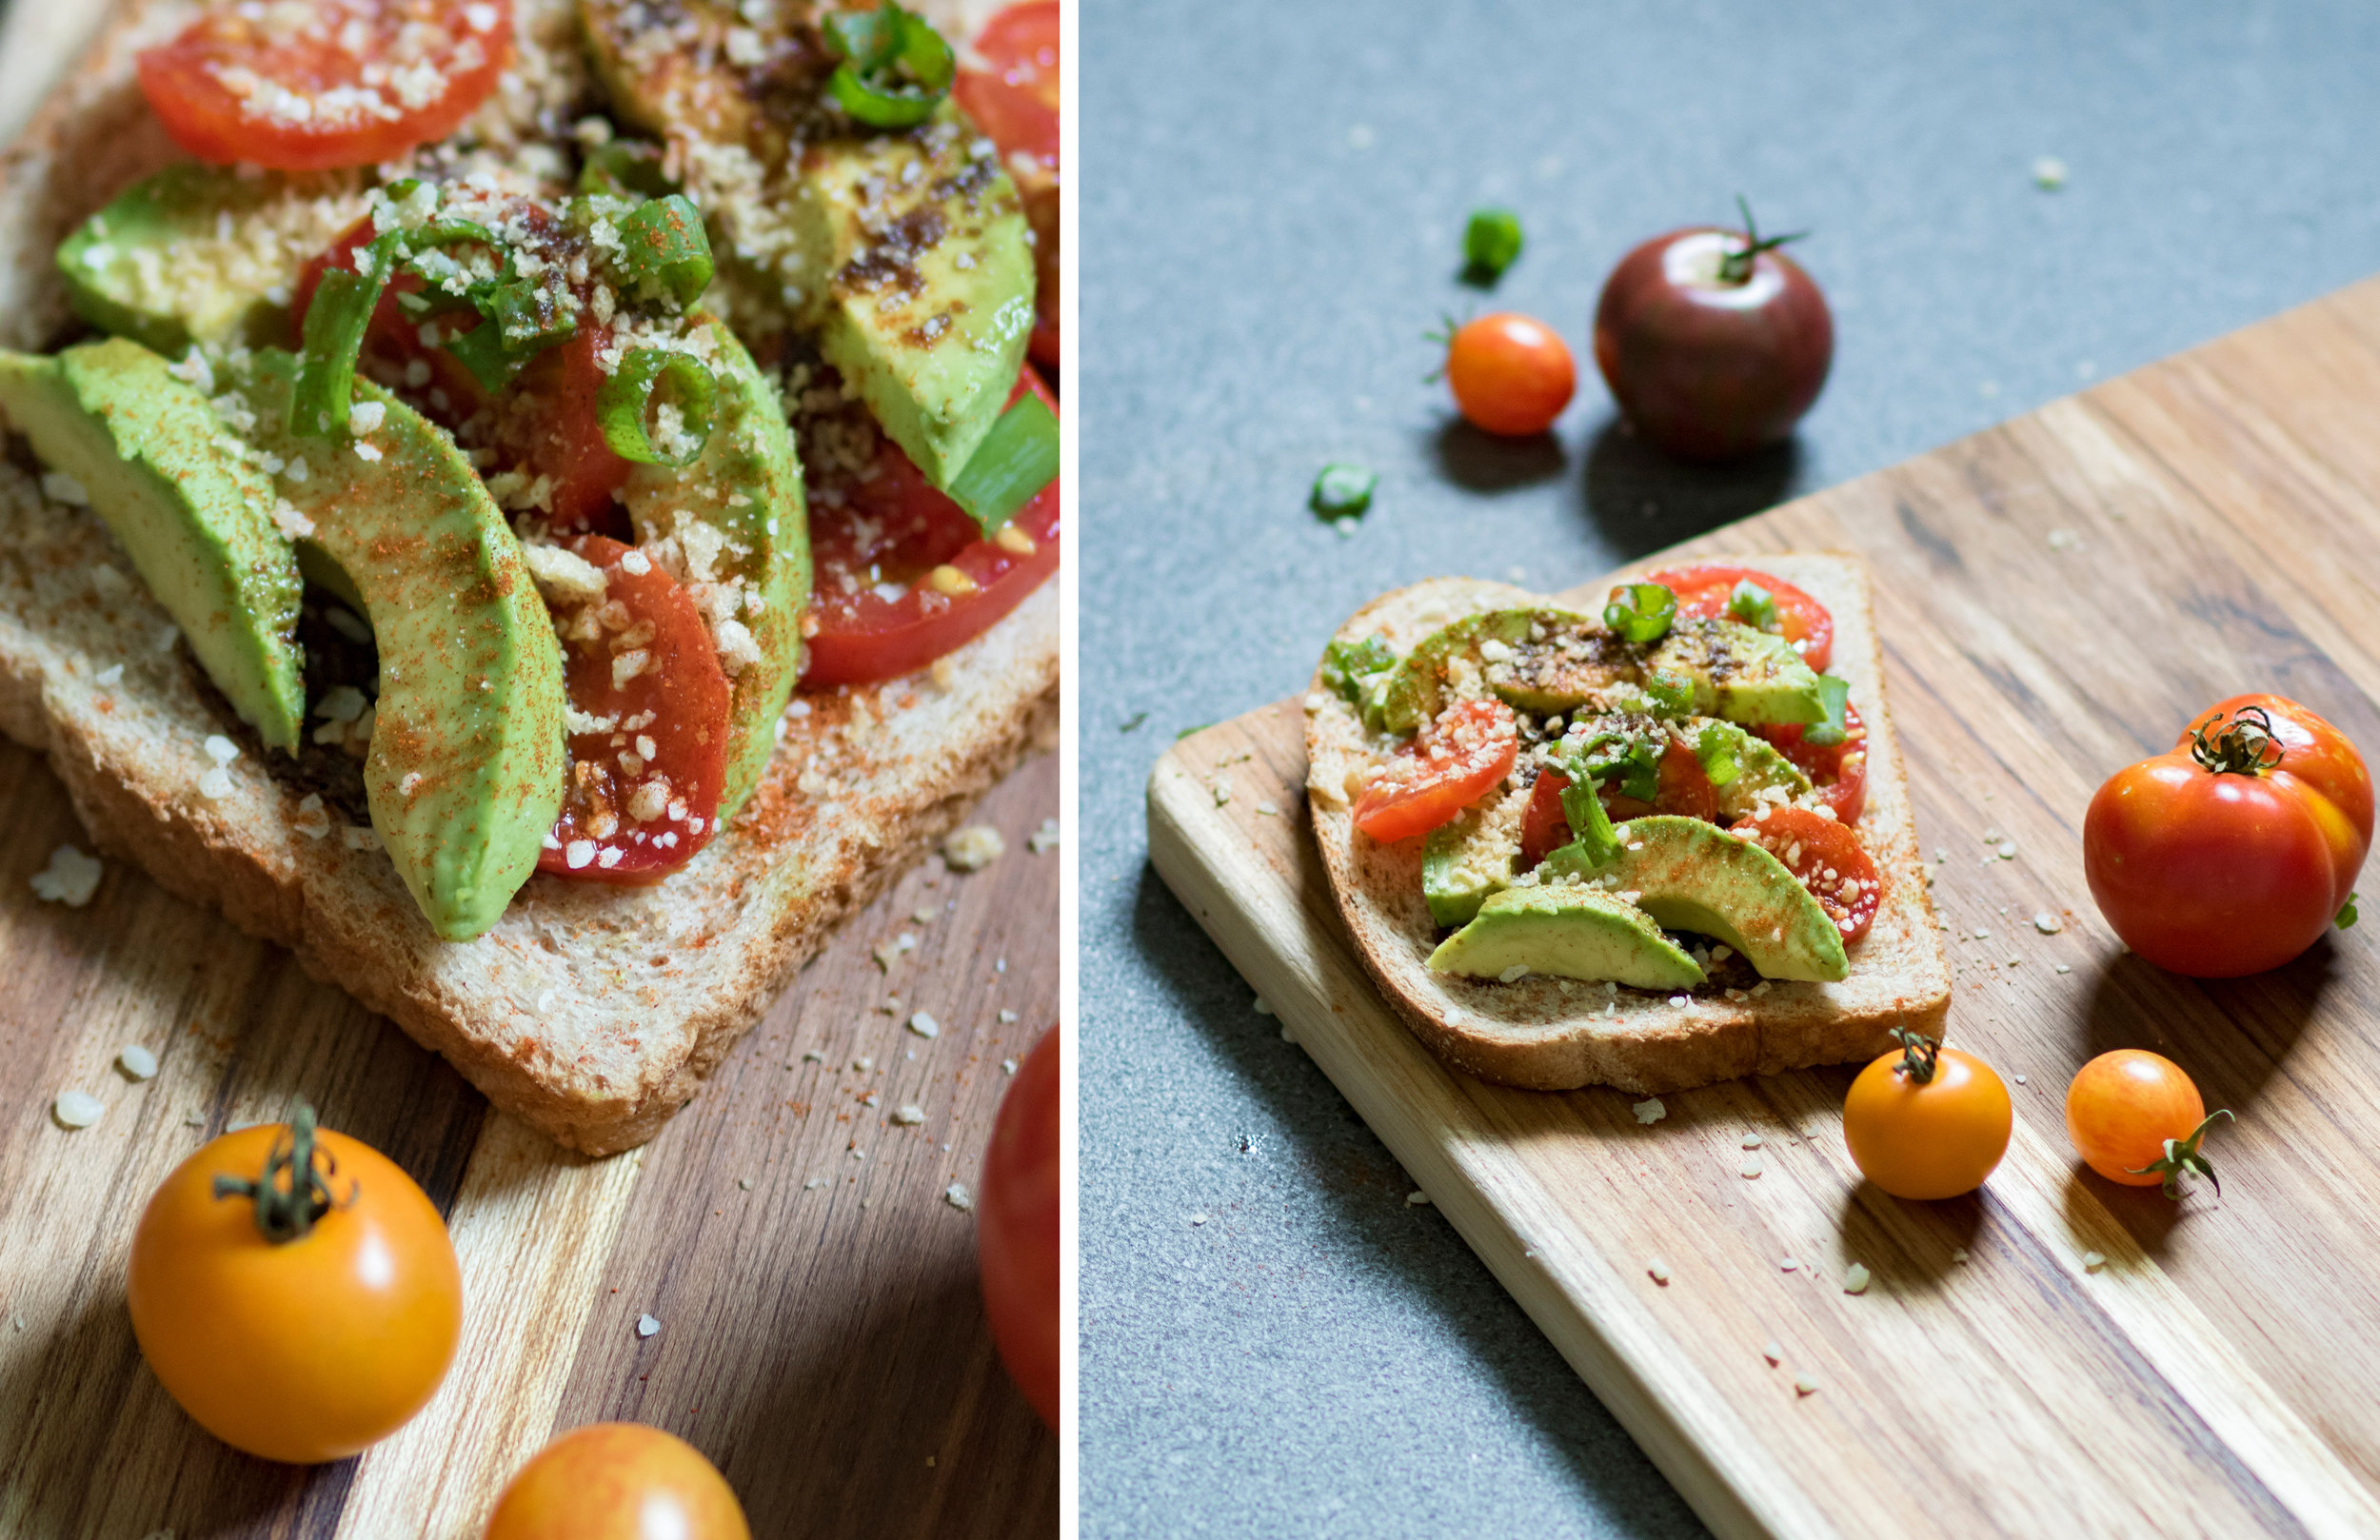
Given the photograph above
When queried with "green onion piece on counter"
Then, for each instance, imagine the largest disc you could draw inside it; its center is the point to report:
(1833, 693)
(1016, 460)
(626, 404)
(895, 68)
(1491, 242)
(1753, 606)
(1641, 611)
(1342, 491)
(665, 251)
(625, 168)
(2347, 911)
(1716, 748)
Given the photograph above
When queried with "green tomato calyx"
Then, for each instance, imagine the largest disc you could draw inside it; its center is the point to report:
(2182, 1154)
(288, 1203)
(1920, 1055)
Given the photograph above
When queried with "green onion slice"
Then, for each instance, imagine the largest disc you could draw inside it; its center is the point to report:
(1016, 460)
(895, 68)
(482, 350)
(1597, 842)
(1673, 694)
(665, 251)
(1347, 664)
(625, 168)
(1641, 611)
(1342, 491)
(1491, 242)
(627, 403)
(341, 311)
(1715, 745)
(1833, 693)
(1753, 606)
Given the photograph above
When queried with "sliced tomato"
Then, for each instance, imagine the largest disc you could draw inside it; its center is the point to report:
(1450, 764)
(1703, 590)
(548, 426)
(1545, 827)
(1015, 101)
(879, 615)
(1839, 771)
(430, 378)
(644, 789)
(309, 85)
(1827, 858)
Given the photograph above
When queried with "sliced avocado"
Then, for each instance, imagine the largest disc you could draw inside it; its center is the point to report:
(176, 487)
(1740, 674)
(203, 254)
(1570, 932)
(1471, 856)
(929, 300)
(1692, 875)
(1416, 691)
(1741, 767)
(468, 760)
(737, 515)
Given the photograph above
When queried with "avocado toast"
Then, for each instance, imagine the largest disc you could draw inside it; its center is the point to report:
(270, 735)
(1616, 972)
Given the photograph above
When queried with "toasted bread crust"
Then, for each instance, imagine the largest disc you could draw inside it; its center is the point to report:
(1539, 1035)
(593, 1012)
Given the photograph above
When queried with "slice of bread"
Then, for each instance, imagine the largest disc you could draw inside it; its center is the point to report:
(593, 1012)
(1554, 1034)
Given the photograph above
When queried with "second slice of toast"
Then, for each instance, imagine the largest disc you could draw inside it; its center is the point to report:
(1554, 1034)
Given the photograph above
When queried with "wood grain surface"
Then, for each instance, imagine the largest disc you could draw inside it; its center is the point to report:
(2057, 597)
(821, 1335)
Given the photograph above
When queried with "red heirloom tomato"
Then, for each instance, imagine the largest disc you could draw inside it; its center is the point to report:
(618, 1481)
(884, 607)
(1838, 771)
(1016, 1228)
(1545, 827)
(1713, 341)
(309, 85)
(1827, 858)
(1450, 764)
(1703, 592)
(1511, 374)
(2136, 1119)
(2231, 854)
(1927, 1121)
(309, 1311)
(1015, 103)
(643, 790)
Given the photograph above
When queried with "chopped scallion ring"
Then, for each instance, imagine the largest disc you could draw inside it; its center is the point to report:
(1491, 242)
(665, 250)
(895, 68)
(1342, 491)
(1016, 460)
(1753, 606)
(625, 168)
(341, 311)
(1641, 611)
(626, 404)
(1714, 746)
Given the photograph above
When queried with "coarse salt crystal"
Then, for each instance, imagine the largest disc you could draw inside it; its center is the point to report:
(1751, 1167)
(1659, 1271)
(1774, 1353)
(1856, 1279)
(924, 1026)
(646, 1326)
(1418, 1199)
(1804, 1385)
(909, 1115)
(2092, 1261)
(2046, 923)
(1261, 1008)
(137, 1061)
(1650, 1110)
(956, 1195)
(215, 783)
(77, 1109)
(71, 877)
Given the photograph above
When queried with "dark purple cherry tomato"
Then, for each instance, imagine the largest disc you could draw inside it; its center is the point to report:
(1714, 342)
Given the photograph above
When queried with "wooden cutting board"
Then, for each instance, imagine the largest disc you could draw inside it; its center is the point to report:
(2057, 597)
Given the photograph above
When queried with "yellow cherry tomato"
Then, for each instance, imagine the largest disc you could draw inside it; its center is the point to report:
(2136, 1119)
(319, 1339)
(618, 1481)
(1927, 1121)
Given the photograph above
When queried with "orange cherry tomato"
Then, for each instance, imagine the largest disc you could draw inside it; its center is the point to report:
(1016, 1228)
(1927, 1121)
(1703, 592)
(1450, 764)
(1828, 859)
(1512, 375)
(316, 84)
(2121, 1110)
(2233, 853)
(303, 1349)
(618, 1481)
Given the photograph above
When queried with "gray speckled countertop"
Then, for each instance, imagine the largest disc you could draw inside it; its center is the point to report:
(1271, 201)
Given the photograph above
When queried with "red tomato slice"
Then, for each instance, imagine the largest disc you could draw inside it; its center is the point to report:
(1839, 771)
(1827, 858)
(1016, 100)
(643, 794)
(1450, 763)
(878, 616)
(1702, 592)
(318, 84)
(1545, 827)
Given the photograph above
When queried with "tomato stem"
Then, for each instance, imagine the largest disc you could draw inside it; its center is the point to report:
(1735, 268)
(2240, 747)
(1919, 1054)
(287, 1208)
(2182, 1154)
